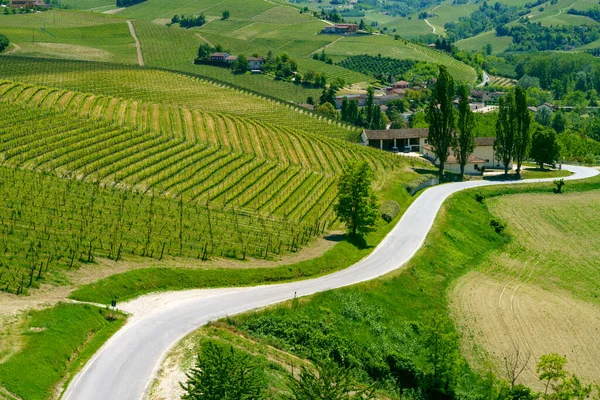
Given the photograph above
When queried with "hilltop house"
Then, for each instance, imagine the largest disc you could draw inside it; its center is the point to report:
(255, 63)
(472, 167)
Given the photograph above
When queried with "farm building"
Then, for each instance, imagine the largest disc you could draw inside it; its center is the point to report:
(474, 164)
(360, 98)
(404, 139)
(415, 140)
(220, 56)
(341, 28)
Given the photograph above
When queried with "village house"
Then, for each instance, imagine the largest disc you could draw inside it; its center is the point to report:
(341, 28)
(485, 96)
(412, 139)
(360, 98)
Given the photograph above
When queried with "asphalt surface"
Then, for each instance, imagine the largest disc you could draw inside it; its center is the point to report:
(124, 367)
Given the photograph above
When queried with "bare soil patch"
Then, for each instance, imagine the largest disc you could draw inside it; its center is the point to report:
(493, 316)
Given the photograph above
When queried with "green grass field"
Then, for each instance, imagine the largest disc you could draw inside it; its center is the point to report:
(57, 342)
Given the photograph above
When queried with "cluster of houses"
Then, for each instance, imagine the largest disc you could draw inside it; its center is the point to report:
(396, 91)
(254, 63)
(28, 4)
(415, 140)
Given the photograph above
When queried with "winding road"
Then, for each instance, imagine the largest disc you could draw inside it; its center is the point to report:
(126, 365)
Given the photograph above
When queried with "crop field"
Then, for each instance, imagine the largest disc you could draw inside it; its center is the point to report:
(543, 288)
(502, 81)
(388, 47)
(478, 42)
(171, 88)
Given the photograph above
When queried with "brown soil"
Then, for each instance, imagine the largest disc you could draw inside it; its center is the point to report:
(494, 316)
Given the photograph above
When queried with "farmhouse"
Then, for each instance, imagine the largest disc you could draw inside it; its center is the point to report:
(415, 140)
(474, 165)
(255, 62)
(341, 28)
(27, 4)
(220, 56)
(403, 139)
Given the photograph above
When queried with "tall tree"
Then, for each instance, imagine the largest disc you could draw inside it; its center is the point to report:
(223, 374)
(240, 65)
(357, 205)
(440, 116)
(522, 128)
(505, 131)
(544, 146)
(464, 135)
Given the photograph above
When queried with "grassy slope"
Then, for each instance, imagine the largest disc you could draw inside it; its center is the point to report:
(70, 35)
(368, 321)
(57, 343)
(135, 283)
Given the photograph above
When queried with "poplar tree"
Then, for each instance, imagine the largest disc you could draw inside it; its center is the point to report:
(464, 135)
(522, 123)
(440, 116)
(505, 131)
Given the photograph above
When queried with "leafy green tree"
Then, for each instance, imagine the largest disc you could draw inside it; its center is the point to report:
(205, 50)
(505, 131)
(328, 95)
(522, 141)
(543, 116)
(223, 374)
(560, 122)
(3, 42)
(440, 116)
(544, 146)
(225, 15)
(357, 205)
(439, 346)
(559, 384)
(464, 135)
(327, 110)
(328, 382)
(240, 65)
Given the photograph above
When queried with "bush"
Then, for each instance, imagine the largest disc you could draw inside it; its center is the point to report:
(389, 210)
(3, 42)
(497, 225)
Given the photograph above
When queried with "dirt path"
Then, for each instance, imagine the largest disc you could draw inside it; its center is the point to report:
(115, 11)
(15, 48)
(431, 26)
(205, 39)
(326, 46)
(138, 46)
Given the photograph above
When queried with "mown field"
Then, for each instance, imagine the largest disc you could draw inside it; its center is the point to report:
(543, 286)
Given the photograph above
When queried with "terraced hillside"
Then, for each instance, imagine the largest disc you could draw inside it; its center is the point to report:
(149, 85)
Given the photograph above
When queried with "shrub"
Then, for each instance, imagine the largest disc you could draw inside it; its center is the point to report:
(3, 42)
(389, 210)
(497, 225)
(479, 197)
(559, 183)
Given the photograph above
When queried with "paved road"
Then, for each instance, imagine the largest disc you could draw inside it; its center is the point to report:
(486, 79)
(126, 364)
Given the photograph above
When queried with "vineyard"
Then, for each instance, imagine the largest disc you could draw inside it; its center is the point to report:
(171, 88)
(501, 81)
(163, 180)
(48, 224)
(377, 66)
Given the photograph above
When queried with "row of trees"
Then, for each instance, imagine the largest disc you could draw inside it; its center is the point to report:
(517, 135)
(189, 21)
(370, 116)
